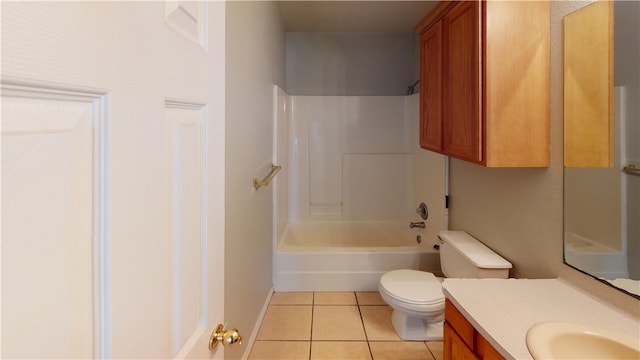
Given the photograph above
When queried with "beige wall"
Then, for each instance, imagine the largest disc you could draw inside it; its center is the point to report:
(593, 204)
(353, 64)
(518, 212)
(255, 62)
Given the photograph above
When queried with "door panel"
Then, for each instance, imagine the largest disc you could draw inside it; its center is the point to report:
(51, 221)
(185, 213)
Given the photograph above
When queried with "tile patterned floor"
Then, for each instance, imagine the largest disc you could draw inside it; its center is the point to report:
(334, 325)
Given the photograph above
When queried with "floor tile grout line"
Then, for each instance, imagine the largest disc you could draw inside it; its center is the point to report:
(313, 310)
(364, 328)
(430, 352)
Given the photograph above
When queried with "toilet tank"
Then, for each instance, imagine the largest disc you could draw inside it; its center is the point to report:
(463, 256)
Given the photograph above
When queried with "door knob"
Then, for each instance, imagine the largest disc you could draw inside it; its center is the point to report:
(229, 338)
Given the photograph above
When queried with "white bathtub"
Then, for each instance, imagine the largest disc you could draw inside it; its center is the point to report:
(594, 258)
(346, 256)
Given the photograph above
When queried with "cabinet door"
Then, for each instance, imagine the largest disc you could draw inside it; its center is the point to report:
(462, 82)
(454, 346)
(588, 86)
(431, 88)
(484, 350)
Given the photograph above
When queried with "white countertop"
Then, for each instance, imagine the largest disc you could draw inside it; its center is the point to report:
(502, 310)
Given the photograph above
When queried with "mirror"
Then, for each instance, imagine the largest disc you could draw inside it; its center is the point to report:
(602, 142)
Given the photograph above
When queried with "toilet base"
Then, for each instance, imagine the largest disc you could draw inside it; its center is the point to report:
(415, 329)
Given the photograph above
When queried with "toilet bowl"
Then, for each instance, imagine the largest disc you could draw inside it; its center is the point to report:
(417, 301)
(416, 297)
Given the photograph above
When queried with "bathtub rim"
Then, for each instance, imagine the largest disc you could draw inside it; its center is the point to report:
(282, 247)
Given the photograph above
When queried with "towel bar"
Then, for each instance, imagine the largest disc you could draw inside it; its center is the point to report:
(631, 170)
(264, 182)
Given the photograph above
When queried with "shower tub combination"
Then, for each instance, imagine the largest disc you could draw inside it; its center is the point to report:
(347, 190)
(345, 256)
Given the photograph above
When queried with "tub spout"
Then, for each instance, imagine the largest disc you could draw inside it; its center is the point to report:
(417, 225)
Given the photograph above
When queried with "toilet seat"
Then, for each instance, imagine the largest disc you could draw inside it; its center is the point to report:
(418, 290)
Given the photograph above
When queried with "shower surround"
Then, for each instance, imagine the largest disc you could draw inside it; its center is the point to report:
(348, 190)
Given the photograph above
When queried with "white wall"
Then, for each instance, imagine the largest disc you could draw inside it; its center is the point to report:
(351, 63)
(254, 63)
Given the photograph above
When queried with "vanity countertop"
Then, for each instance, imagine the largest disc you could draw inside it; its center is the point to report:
(502, 310)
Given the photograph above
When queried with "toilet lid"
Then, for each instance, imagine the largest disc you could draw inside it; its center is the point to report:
(412, 286)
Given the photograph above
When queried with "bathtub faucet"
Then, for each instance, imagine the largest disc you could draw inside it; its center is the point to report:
(417, 225)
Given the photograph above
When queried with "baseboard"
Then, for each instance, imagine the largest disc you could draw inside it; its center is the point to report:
(252, 339)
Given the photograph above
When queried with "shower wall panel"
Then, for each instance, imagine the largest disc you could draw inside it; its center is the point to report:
(282, 119)
(340, 151)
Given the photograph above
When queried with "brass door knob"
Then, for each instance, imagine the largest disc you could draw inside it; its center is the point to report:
(229, 338)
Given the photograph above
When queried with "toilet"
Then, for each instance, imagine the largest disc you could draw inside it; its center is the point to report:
(416, 297)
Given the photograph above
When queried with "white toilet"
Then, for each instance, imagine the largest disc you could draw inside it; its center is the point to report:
(416, 296)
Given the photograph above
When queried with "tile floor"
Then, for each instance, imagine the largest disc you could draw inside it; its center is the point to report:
(334, 325)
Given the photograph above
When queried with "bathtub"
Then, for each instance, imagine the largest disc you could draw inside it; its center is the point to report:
(594, 258)
(346, 256)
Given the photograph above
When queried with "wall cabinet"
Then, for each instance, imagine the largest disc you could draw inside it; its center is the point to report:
(484, 74)
(462, 341)
(588, 86)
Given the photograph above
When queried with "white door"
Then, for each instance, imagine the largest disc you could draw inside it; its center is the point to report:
(112, 171)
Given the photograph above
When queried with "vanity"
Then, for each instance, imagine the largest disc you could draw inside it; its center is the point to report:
(462, 340)
(501, 311)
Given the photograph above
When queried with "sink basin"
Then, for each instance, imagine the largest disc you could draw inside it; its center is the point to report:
(566, 340)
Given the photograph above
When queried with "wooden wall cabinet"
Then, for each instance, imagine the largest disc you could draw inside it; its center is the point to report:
(588, 86)
(484, 74)
(462, 341)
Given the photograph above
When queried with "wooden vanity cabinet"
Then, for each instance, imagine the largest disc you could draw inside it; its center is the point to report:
(484, 73)
(462, 341)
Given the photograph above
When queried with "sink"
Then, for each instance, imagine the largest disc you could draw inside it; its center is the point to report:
(566, 340)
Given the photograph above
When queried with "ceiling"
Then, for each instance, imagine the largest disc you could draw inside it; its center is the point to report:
(353, 16)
